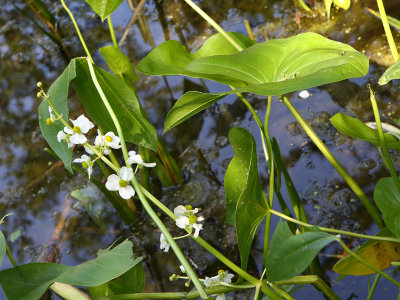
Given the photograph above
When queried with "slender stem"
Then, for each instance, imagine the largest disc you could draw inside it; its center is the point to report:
(388, 159)
(335, 163)
(388, 32)
(10, 256)
(304, 6)
(214, 24)
(364, 262)
(77, 30)
(336, 231)
(248, 29)
(373, 287)
(113, 38)
(248, 105)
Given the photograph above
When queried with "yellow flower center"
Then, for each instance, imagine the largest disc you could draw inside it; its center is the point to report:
(123, 183)
(192, 219)
(220, 272)
(76, 129)
(109, 139)
(85, 164)
(48, 121)
(188, 207)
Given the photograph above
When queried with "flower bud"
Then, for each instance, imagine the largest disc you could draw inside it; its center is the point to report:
(39, 94)
(172, 277)
(48, 121)
(187, 283)
(39, 84)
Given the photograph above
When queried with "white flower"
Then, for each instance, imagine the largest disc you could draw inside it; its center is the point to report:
(220, 297)
(304, 94)
(111, 140)
(137, 159)
(87, 163)
(52, 117)
(81, 126)
(103, 143)
(163, 243)
(223, 276)
(61, 136)
(186, 218)
(120, 183)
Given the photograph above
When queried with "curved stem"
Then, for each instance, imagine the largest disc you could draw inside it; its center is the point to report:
(373, 287)
(336, 231)
(77, 30)
(110, 26)
(335, 163)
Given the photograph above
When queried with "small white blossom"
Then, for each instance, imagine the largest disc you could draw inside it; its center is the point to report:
(223, 276)
(52, 117)
(164, 245)
(186, 218)
(112, 141)
(62, 136)
(120, 183)
(81, 126)
(87, 163)
(304, 94)
(137, 159)
(103, 143)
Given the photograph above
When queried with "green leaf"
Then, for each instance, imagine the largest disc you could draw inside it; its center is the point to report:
(44, 12)
(135, 125)
(104, 8)
(2, 247)
(289, 255)
(345, 4)
(58, 95)
(246, 203)
(188, 105)
(118, 62)
(380, 254)
(30, 281)
(393, 72)
(272, 68)
(357, 129)
(387, 198)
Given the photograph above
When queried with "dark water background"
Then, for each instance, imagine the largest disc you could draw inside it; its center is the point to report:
(37, 189)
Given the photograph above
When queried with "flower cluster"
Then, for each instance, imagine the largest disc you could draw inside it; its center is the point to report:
(223, 276)
(187, 219)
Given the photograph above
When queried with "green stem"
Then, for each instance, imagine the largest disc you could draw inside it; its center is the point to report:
(253, 112)
(364, 262)
(373, 287)
(10, 256)
(336, 231)
(335, 163)
(388, 32)
(110, 26)
(214, 24)
(142, 198)
(304, 6)
(77, 30)
(388, 159)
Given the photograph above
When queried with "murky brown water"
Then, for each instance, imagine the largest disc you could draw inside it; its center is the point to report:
(37, 190)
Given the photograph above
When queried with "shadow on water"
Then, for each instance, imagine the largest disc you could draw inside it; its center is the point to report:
(37, 189)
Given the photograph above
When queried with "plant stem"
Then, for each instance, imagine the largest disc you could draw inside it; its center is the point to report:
(335, 163)
(214, 24)
(10, 256)
(77, 30)
(364, 262)
(304, 6)
(336, 231)
(373, 287)
(388, 159)
(113, 38)
(388, 32)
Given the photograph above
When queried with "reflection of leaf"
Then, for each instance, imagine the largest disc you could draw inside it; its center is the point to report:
(380, 254)
(30, 281)
(15, 235)
(246, 203)
(357, 129)
(58, 95)
(104, 8)
(387, 198)
(90, 198)
(289, 255)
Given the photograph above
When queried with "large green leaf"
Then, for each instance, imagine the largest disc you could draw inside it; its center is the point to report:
(135, 125)
(357, 129)
(387, 198)
(118, 62)
(393, 72)
(246, 203)
(30, 281)
(289, 255)
(104, 8)
(378, 253)
(58, 95)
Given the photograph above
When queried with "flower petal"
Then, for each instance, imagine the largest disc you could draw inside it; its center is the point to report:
(83, 123)
(78, 138)
(163, 243)
(90, 170)
(179, 210)
(197, 228)
(126, 192)
(182, 222)
(61, 136)
(149, 165)
(88, 150)
(112, 183)
(67, 130)
(126, 173)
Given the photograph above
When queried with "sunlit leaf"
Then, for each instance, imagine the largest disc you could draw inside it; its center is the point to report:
(289, 255)
(345, 4)
(118, 62)
(58, 95)
(357, 129)
(380, 254)
(387, 198)
(393, 72)
(246, 203)
(135, 125)
(30, 281)
(104, 8)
